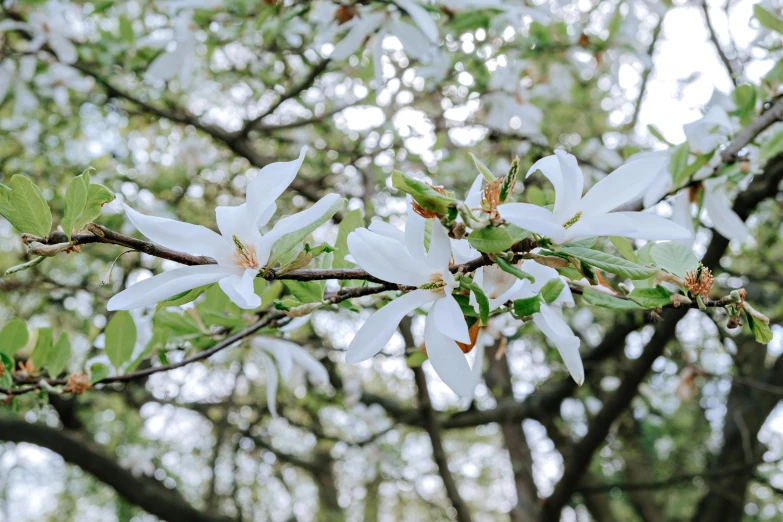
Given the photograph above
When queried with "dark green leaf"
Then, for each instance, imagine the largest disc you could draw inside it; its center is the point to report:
(596, 298)
(426, 196)
(513, 269)
(496, 239)
(651, 298)
(61, 353)
(610, 263)
(43, 348)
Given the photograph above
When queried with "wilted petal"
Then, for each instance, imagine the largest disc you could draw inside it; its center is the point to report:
(448, 361)
(723, 217)
(621, 186)
(162, 286)
(271, 384)
(184, 237)
(386, 259)
(558, 331)
(635, 225)
(270, 183)
(533, 218)
(447, 315)
(379, 328)
(239, 288)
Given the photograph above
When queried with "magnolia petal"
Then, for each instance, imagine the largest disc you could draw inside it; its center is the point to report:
(473, 198)
(316, 371)
(478, 364)
(496, 282)
(621, 186)
(421, 17)
(440, 248)
(723, 217)
(414, 234)
(386, 258)
(463, 252)
(386, 229)
(241, 291)
(266, 215)
(352, 42)
(557, 330)
(447, 315)
(635, 225)
(271, 384)
(550, 168)
(162, 286)
(280, 349)
(412, 39)
(380, 327)
(448, 361)
(681, 214)
(269, 184)
(63, 48)
(533, 218)
(184, 237)
(572, 186)
(236, 221)
(163, 68)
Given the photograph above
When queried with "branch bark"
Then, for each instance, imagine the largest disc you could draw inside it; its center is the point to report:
(74, 449)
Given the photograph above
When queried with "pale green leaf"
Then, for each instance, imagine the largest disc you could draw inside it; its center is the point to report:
(59, 357)
(609, 263)
(596, 298)
(30, 208)
(287, 247)
(673, 257)
(120, 338)
(13, 337)
(496, 239)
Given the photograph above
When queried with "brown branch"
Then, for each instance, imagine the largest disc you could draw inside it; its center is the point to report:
(746, 136)
(144, 492)
(714, 39)
(433, 429)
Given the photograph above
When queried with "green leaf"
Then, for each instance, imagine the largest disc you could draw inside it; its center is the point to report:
(673, 257)
(416, 359)
(528, 306)
(75, 201)
(426, 196)
(43, 348)
(183, 297)
(350, 222)
(97, 196)
(31, 213)
(767, 19)
(624, 246)
(678, 162)
(551, 290)
(98, 372)
(596, 298)
(760, 329)
(744, 98)
(651, 298)
(120, 338)
(6, 381)
(287, 247)
(491, 240)
(13, 337)
(485, 172)
(481, 298)
(61, 353)
(773, 146)
(658, 135)
(513, 269)
(305, 291)
(126, 29)
(609, 263)
(509, 181)
(464, 303)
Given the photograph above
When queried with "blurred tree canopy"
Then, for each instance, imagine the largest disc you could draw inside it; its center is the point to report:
(201, 408)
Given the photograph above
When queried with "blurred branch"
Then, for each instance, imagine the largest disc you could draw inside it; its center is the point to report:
(646, 73)
(433, 428)
(714, 39)
(144, 492)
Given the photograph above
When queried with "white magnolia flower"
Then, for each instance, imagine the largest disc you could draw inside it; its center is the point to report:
(575, 217)
(178, 61)
(16, 77)
(718, 208)
(401, 257)
(51, 25)
(286, 354)
(370, 27)
(240, 250)
(59, 79)
(710, 131)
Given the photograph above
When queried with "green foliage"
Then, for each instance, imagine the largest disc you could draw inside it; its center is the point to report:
(13, 337)
(496, 239)
(422, 193)
(468, 284)
(761, 330)
(288, 247)
(483, 169)
(608, 262)
(596, 298)
(183, 297)
(120, 338)
(24, 206)
(61, 354)
(83, 202)
(513, 269)
(767, 19)
(651, 298)
(350, 222)
(673, 257)
(44, 349)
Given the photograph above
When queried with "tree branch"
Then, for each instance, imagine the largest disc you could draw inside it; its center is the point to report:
(74, 449)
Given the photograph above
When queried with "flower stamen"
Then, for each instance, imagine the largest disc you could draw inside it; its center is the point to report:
(571, 222)
(245, 256)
